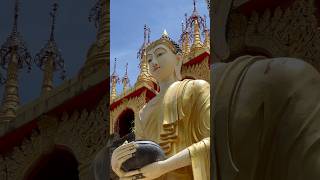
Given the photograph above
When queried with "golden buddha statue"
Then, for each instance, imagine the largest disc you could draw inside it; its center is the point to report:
(178, 119)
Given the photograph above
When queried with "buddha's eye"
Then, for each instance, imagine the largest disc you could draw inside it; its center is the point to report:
(149, 60)
(160, 54)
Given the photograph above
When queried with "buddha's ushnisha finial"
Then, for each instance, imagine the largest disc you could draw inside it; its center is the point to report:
(165, 33)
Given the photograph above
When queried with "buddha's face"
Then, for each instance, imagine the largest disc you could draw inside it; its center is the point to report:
(161, 61)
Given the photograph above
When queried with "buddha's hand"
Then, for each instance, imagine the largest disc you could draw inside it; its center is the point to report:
(157, 169)
(120, 155)
(148, 172)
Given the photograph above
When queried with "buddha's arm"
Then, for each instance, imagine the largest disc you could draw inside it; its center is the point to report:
(187, 156)
(176, 161)
(195, 155)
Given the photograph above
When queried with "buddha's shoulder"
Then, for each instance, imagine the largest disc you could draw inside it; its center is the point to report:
(281, 69)
(194, 85)
(270, 68)
(193, 82)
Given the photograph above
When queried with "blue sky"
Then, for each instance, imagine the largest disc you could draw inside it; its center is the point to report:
(74, 35)
(127, 21)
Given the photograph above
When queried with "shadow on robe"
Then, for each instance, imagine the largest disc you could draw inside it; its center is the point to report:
(266, 119)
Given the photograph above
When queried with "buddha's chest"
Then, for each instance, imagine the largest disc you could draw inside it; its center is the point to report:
(152, 121)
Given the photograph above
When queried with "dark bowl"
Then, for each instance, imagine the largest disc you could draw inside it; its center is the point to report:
(147, 152)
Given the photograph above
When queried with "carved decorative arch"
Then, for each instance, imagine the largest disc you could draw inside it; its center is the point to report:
(60, 163)
(84, 133)
(123, 124)
(135, 103)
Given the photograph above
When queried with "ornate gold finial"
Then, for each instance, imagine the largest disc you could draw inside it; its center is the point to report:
(114, 80)
(125, 80)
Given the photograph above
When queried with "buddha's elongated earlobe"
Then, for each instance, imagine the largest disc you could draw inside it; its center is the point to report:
(177, 68)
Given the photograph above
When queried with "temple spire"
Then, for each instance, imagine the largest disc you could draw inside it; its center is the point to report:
(103, 19)
(125, 80)
(144, 75)
(206, 34)
(184, 39)
(49, 59)
(194, 6)
(98, 54)
(114, 81)
(194, 26)
(98, 15)
(149, 32)
(13, 56)
(53, 19)
(16, 16)
(146, 41)
(145, 36)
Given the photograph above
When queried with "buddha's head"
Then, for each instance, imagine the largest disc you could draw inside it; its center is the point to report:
(164, 59)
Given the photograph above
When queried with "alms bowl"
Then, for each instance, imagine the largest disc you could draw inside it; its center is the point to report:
(147, 152)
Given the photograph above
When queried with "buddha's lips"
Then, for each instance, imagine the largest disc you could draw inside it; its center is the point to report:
(156, 68)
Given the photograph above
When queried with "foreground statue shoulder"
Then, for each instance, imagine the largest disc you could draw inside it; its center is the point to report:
(196, 89)
(281, 73)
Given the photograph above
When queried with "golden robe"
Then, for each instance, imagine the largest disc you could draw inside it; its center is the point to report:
(179, 119)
